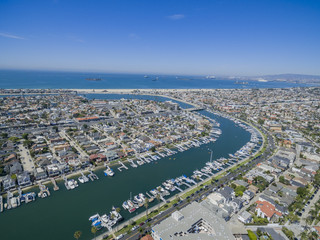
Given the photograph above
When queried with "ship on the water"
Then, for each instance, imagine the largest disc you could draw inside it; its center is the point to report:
(94, 79)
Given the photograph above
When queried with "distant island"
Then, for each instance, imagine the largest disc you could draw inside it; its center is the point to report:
(93, 79)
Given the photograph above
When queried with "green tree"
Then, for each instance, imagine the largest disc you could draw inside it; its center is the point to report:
(158, 198)
(146, 205)
(288, 233)
(77, 234)
(27, 143)
(94, 231)
(251, 235)
(25, 136)
(302, 191)
(14, 139)
(316, 180)
(4, 135)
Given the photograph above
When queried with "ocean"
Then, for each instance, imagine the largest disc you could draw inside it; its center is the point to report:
(13, 79)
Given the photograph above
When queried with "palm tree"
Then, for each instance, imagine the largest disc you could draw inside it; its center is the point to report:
(146, 205)
(313, 235)
(304, 235)
(94, 231)
(158, 198)
(77, 235)
(198, 178)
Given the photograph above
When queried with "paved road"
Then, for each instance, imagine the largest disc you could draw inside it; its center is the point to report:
(309, 206)
(73, 144)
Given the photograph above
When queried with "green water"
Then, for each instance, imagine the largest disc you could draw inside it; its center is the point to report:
(60, 215)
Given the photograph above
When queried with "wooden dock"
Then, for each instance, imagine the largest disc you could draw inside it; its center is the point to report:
(55, 186)
(122, 166)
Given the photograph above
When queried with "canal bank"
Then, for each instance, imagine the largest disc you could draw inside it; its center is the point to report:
(60, 215)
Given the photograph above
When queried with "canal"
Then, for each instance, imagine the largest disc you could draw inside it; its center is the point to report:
(64, 212)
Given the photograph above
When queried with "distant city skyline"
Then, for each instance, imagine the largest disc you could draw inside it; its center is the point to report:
(241, 38)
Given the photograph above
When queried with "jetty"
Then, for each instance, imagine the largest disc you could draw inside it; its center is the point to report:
(54, 183)
(122, 166)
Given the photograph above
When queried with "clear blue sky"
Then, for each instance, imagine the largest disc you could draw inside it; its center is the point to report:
(237, 37)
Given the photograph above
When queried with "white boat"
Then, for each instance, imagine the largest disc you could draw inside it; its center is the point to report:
(108, 172)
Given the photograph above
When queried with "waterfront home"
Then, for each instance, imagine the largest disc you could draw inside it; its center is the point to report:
(24, 179)
(8, 182)
(40, 173)
(15, 167)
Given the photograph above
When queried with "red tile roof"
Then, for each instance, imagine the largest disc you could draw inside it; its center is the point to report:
(267, 208)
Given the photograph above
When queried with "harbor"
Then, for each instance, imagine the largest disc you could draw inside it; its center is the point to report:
(94, 197)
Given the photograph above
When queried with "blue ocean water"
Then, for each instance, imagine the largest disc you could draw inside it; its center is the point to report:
(13, 79)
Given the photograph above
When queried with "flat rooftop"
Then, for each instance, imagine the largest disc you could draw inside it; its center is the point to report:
(193, 222)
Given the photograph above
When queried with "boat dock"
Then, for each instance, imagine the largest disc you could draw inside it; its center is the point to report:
(92, 176)
(44, 191)
(1, 203)
(132, 163)
(66, 182)
(122, 166)
(162, 198)
(149, 196)
(55, 186)
(179, 189)
(186, 184)
(145, 159)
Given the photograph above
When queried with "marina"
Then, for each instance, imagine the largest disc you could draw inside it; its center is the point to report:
(157, 172)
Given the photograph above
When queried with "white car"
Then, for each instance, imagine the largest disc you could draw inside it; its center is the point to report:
(134, 228)
(119, 237)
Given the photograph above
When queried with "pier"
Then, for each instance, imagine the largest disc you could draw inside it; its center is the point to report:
(122, 166)
(55, 186)
(132, 163)
(179, 189)
(186, 184)
(93, 176)
(44, 191)
(66, 182)
(162, 199)
(146, 159)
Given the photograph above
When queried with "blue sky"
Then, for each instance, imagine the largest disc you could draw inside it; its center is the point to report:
(236, 37)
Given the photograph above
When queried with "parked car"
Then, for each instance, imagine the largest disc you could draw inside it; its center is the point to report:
(119, 237)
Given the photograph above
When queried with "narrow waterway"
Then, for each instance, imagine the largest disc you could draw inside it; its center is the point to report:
(64, 212)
